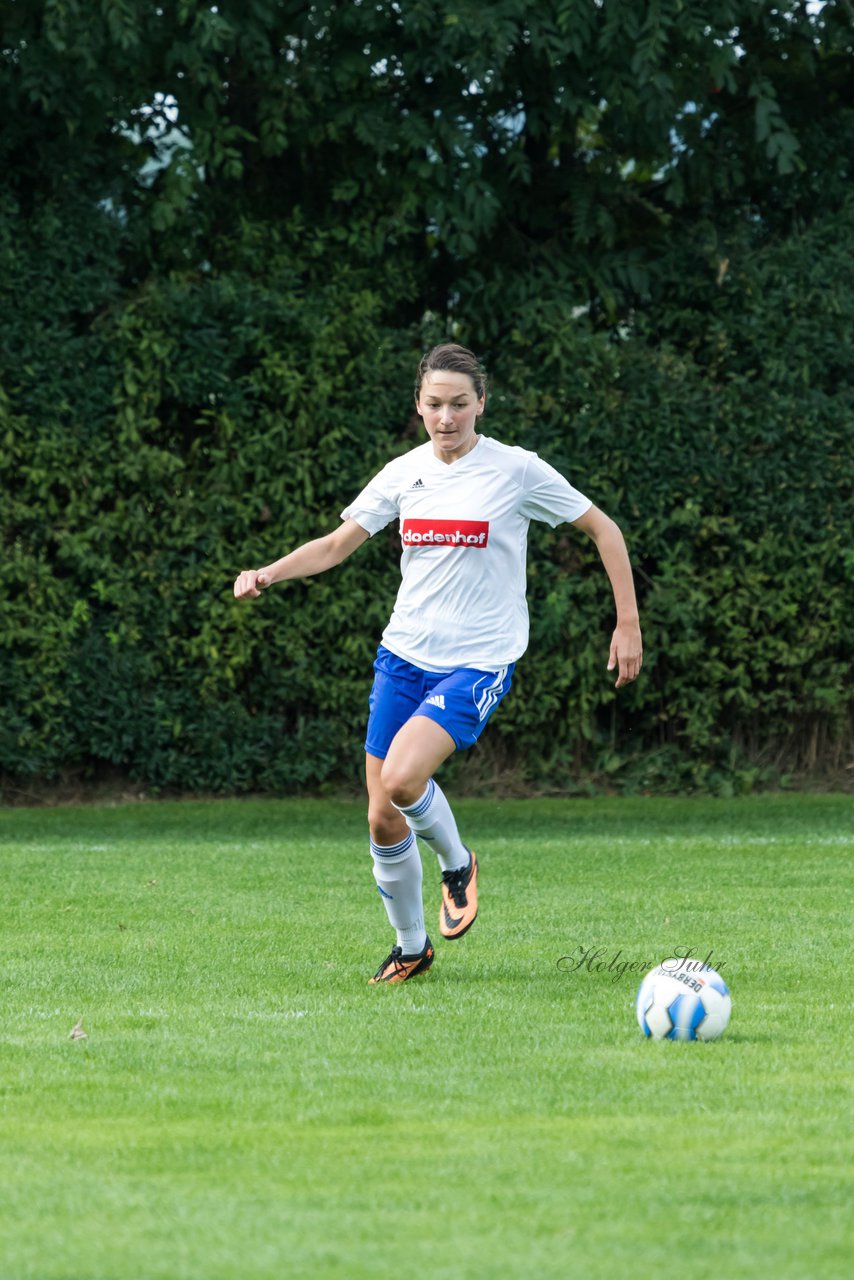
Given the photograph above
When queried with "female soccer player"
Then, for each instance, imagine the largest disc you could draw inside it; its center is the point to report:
(459, 624)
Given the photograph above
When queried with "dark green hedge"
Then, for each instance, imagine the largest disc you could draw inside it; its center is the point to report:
(216, 421)
(641, 220)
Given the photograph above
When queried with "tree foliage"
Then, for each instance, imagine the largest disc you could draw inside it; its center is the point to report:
(227, 231)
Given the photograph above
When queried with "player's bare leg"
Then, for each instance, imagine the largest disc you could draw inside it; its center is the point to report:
(416, 752)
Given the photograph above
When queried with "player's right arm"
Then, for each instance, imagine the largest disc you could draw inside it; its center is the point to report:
(312, 557)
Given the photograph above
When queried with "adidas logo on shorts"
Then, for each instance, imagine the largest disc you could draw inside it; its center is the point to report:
(436, 700)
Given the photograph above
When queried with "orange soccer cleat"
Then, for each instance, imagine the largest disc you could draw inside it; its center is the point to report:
(398, 967)
(458, 911)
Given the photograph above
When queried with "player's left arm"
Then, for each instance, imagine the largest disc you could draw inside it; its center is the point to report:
(626, 645)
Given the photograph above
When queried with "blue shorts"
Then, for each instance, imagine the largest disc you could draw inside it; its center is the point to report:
(460, 701)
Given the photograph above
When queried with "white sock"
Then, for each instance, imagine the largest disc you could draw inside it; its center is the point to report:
(431, 819)
(397, 871)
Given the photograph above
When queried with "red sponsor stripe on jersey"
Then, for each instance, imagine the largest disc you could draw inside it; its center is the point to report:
(445, 533)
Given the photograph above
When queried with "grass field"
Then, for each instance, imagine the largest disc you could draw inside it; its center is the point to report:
(244, 1106)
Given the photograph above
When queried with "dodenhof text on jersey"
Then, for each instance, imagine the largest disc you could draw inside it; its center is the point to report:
(448, 533)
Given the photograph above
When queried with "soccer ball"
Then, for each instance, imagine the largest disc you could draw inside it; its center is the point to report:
(677, 1001)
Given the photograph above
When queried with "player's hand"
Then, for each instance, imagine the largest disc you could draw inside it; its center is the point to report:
(626, 653)
(249, 584)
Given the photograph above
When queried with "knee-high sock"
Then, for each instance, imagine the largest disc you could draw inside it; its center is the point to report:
(431, 819)
(397, 871)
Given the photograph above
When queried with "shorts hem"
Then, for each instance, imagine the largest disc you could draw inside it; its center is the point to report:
(429, 714)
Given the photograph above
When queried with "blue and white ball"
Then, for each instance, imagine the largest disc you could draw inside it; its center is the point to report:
(678, 1002)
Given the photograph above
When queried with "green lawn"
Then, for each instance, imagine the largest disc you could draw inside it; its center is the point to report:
(245, 1106)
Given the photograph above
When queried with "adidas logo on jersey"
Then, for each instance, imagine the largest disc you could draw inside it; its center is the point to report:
(436, 700)
(419, 484)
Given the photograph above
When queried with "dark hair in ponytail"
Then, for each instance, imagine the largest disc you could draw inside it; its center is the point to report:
(452, 358)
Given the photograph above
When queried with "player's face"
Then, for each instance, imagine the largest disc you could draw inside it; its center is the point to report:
(450, 407)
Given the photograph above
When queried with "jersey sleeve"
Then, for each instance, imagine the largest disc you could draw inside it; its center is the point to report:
(376, 506)
(548, 496)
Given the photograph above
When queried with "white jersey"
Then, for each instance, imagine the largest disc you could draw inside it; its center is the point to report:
(464, 529)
